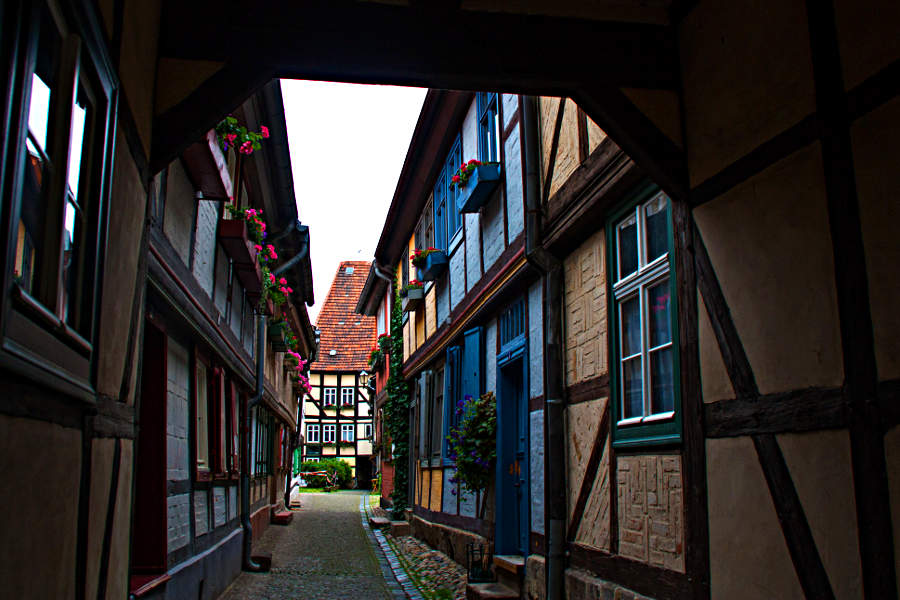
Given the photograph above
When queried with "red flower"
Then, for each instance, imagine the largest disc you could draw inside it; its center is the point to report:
(265, 131)
(474, 162)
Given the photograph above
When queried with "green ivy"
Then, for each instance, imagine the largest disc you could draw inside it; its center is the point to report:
(396, 410)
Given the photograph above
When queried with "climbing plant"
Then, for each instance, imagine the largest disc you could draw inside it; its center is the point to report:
(396, 409)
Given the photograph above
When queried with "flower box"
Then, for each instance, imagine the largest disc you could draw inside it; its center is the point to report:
(413, 299)
(237, 245)
(277, 337)
(478, 189)
(435, 265)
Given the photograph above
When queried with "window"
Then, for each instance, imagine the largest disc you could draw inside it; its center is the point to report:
(435, 406)
(347, 396)
(262, 463)
(511, 324)
(329, 396)
(201, 409)
(312, 434)
(328, 434)
(367, 431)
(488, 127)
(447, 219)
(425, 228)
(62, 147)
(347, 433)
(645, 365)
(312, 459)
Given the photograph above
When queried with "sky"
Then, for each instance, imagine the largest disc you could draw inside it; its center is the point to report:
(347, 144)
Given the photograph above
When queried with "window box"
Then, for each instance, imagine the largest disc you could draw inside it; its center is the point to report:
(277, 337)
(209, 168)
(413, 299)
(435, 265)
(239, 248)
(477, 191)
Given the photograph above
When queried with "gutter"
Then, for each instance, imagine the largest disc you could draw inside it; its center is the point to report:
(554, 417)
(247, 554)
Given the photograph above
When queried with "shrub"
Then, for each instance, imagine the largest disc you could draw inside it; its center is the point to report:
(337, 469)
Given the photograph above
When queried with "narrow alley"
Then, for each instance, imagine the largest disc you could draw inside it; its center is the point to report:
(323, 554)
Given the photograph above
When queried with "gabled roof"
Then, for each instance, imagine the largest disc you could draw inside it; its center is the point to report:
(348, 334)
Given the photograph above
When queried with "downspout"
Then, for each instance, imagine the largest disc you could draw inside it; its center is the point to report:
(554, 416)
(379, 273)
(248, 563)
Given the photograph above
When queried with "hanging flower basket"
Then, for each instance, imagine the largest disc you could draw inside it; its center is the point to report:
(276, 335)
(415, 293)
(476, 182)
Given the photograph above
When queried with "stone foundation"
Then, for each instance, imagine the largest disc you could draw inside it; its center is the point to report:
(449, 540)
(535, 583)
(581, 585)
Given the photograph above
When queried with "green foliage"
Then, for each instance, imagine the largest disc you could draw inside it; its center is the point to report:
(232, 134)
(338, 471)
(473, 443)
(396, 410)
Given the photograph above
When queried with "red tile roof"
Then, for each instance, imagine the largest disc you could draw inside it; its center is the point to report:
(343, 331)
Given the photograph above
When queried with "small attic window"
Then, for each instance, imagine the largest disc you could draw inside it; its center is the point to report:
(348, 270)
(332, 352)
(340, 322)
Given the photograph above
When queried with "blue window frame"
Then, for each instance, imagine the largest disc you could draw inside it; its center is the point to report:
(488, 127)
(463, 376)
(447, 220)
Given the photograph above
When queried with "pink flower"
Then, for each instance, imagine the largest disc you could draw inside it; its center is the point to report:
(258, 247)
(282, 281)
(271, 277)
(265, 131)
(230, 137)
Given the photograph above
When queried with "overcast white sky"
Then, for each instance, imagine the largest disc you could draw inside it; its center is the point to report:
(348, 143)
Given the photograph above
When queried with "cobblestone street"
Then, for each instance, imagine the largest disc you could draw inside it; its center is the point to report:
(323, 554)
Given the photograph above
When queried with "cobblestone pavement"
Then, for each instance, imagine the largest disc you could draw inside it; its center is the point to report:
(323, 554)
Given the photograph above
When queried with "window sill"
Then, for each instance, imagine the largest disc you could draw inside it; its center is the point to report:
(58, 327)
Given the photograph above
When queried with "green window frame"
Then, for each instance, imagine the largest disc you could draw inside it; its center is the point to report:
(644, 366)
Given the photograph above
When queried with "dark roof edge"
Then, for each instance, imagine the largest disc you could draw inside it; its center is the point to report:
(371, 294)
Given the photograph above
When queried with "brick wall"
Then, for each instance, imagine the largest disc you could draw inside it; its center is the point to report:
(586, 327)
(457, 276)
(473, 249)
(177, 412)
(205, 245)
(387, 481)
(201, 512)
(650, 498)
(515, 200)
(178, 530)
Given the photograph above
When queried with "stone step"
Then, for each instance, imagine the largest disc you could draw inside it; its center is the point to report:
(399, 528)
(510, 571)
(490, 591)
(283, 517)
(379, 522)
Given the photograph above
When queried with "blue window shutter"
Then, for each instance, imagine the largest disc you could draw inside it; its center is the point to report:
(471, 363)
(451, 391)
(440, 215)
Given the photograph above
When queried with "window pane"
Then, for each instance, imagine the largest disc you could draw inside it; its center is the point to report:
(76, 142)
(632, 396)
(39, 110)
(656, 214)
(662, 380)
(659, 310)
(628, 247)
(631, 326)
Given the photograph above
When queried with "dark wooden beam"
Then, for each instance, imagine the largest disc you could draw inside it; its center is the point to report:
(450, 48)
(809, 409)
(584, 391)
(640, 138)
(873, 510)
(189, 120)
(590, 474)
(696, 525)
(644, 579)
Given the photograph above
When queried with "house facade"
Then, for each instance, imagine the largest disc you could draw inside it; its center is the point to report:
(337, 412)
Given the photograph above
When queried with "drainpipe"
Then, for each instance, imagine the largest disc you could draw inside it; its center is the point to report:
(554, 416)
(248, 562)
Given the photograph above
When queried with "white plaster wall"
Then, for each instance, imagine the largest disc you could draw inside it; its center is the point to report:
(205, 245)
(536, 469)
(178, 521)
(469, 135)
(515, 209)
(232, 503)
(467, 503)
(177, 412)
(492, 223)
(442, 300)
(510, 106)
(448, 498)
(473, 249)
(457, 276)
(490, 356)
(536, 339)
(221, 280)
(220, 509)
(201, 512)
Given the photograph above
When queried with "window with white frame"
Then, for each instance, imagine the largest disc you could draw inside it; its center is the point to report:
(328, 434)
(312, 434)
(347, 396)
(645, 362)
(347, 433)
(329, 396)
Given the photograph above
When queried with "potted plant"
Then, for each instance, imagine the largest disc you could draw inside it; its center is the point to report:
(476, 181)
(375, 357)
(472, 445)
(277, 335)
(431, 262)
(414, 294)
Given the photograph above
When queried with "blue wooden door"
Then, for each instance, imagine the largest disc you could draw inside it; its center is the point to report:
(513, 523)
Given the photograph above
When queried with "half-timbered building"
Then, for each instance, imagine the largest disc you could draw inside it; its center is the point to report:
(337, 412)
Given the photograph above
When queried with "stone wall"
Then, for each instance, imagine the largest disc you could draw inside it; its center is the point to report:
(581, 585)
(449, 540)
